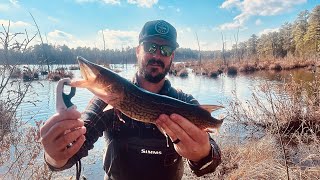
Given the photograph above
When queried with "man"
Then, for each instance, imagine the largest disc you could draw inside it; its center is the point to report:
(135, 150)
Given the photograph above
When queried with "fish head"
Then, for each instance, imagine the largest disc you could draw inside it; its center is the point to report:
(101, 81)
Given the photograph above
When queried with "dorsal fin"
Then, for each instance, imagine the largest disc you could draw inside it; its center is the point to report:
(211, 108)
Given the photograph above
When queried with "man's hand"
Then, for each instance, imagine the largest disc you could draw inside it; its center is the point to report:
(194, 143)
(58, 132)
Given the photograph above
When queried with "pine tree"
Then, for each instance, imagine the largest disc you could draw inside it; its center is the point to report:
(299, 31)
(252, 45)
(286, 36)
(312, 36)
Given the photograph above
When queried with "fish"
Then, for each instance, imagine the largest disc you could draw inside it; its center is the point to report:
(138, 103)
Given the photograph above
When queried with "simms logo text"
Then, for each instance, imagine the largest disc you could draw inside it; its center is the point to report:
(146, 151)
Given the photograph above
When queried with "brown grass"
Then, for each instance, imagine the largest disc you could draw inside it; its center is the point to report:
(291, 124)
(213, 68)
(248, 67)
(262, 159)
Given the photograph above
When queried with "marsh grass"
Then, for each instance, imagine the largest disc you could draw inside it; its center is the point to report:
(59, 74)
(290, 147)
(262, 159)
(214, 68)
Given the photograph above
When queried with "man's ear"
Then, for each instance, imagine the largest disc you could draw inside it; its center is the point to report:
(172, 55)
(138, 48)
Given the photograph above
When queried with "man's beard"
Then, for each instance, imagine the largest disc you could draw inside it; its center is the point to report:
(148, 75)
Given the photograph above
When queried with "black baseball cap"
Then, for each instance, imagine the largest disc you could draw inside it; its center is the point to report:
(159, 28)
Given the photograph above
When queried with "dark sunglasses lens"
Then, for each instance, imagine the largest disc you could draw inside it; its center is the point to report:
(166, 50)
(149, 47)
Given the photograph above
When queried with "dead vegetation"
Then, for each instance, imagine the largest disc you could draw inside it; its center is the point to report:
(59, 74)
(19, 147)
(288, 144)
(291, 124)
(215, 68)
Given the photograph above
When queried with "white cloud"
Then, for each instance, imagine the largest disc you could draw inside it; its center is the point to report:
(266, 31)
(250, 8)
(258, 22)
(114, 39)
(187, 38)
(4, 7)
(232, 25)
(57, 34)
(139, 3)
(102, 1)
(184, 30)
(204, 45)
(15, 3)
(228, 4)
(84, 1)
(143, 3)
(9, 6)
(117, 39)
(55, 20)
(13, 24)
(58, 37)
(111, 1)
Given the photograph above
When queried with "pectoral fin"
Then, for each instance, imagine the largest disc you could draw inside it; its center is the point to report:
(81, 83)
(211, 108)
(107, 108)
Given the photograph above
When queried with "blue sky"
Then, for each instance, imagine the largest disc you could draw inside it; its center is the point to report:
(81, 22)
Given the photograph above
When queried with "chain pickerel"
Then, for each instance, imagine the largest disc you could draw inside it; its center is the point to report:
(136, 102)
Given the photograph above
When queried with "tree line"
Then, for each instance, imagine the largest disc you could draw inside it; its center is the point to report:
(300, 39)
(62, 54)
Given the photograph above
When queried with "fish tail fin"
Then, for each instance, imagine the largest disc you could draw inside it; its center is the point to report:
(215, 129)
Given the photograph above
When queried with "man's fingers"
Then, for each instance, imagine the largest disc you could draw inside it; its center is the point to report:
(69, 114)
(192, 130)
(59, 129)
(70, 137)
(173, 129)
(69, 152)
(166, 131)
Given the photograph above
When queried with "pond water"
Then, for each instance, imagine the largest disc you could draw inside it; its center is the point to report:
(206, 90)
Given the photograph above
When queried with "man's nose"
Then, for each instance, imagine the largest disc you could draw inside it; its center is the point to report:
(157, 54)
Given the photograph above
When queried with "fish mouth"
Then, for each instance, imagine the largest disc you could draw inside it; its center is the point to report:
(89, 72)
(88, 69)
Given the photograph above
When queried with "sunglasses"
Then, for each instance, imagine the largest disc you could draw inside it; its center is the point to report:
(151, 48)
